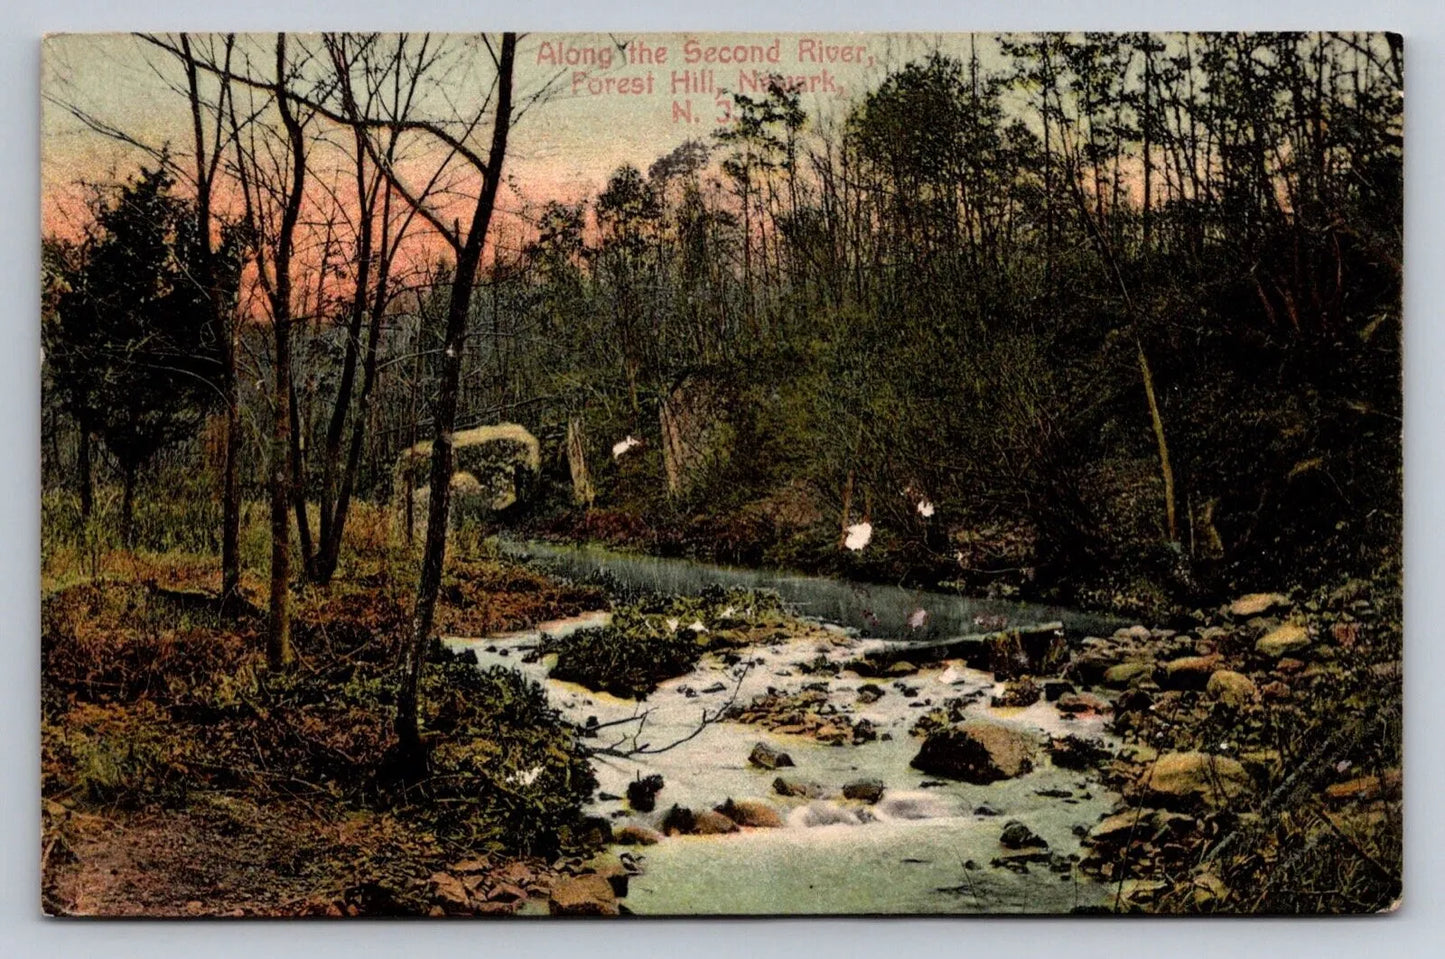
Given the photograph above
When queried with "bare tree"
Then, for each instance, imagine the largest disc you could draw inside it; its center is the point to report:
(453, 134)
(271, 168)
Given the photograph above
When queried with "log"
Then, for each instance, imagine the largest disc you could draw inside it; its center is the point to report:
(971, 645)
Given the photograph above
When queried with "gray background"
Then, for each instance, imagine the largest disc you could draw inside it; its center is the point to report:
(1415, 930)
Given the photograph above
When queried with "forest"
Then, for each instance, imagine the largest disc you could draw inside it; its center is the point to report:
(1102, 322)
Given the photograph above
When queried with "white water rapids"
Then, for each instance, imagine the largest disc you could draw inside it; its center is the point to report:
(903, 855)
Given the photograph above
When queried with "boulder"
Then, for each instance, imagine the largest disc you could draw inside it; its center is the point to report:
(976, 751)
(1018, 836)
(615, 871)
(449, 892)
(1282, 641)
(1194, 779)
(1275, 691)
(767, 757)
(864, 790)
(751, 812)
(1017, 693)
(710, 823)
(635, 835)
(583, 896)
(1054, 688)
(1127, 674)
(1076, 752)
(798, 788)
(1082, 703)
(1190, 672)
(1231, 688)
(1118, 828)
(678, 819)
(1257, 604)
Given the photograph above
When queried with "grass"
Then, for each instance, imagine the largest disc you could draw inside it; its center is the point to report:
(160, 718)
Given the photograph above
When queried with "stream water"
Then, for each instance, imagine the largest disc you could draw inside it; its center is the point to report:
(885, 612)
(904, 854)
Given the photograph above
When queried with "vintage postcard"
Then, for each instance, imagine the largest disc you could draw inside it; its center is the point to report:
(701, 474)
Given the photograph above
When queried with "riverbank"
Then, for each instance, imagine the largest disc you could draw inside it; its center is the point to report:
(1248, 761)
(180, 777)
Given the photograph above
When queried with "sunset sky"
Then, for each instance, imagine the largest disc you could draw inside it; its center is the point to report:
(611, 99)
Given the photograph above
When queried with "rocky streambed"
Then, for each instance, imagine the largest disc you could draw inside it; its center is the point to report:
(805, 768)
(790, 783)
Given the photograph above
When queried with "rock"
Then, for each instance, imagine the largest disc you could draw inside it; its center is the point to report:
(1257, 604)
(678, 819)
(506, 893)
(642, 793)
(1231, 688)
(901, 668)
(976, 751)
(615, 871)
(1366, 788)
(635, 835)
(870, 693)
(1133, 632)
(1288, 665)
(797, 788)
(1076, 752)
(1194, 778)
(1127, 674)
(1120, 827)
(709, 823)
(985, 810)
(1091, 665)
(583, 896)
(1055, 688)
(865, 790)
(469, 867)
(1283, 640)
(1018, 836)
(1082, 703)
(1190, 672)
(751, 812)
(517, 873)
(767, 757)
(449, 892)
(1276, 691)
(864, 732)
(1020, 692)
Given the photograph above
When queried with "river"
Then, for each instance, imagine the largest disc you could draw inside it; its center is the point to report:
(905, 854)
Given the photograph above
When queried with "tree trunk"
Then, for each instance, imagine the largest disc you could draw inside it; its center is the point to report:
(127, 507)
(278, 634)
(279, 654)
(330, 552)
(230, 486)
(82, 467)
(222, 321)
(1165, 470)
(434, 551)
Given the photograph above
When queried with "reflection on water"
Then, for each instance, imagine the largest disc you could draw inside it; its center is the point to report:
(884, 612)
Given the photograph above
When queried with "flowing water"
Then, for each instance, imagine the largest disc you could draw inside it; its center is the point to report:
(904, 854)
(885, 612)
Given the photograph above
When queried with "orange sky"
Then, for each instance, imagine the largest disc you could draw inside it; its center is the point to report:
(611, 99)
